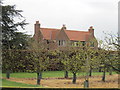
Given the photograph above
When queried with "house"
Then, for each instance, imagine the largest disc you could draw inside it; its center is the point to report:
(62, 37)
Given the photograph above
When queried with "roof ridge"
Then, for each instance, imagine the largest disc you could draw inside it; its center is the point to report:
(65, 30)
(50, 28)
(75, 31)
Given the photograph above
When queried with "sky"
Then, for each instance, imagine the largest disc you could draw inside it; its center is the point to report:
(75, 14)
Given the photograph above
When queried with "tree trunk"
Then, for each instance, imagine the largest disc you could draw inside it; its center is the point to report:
(86, 84)
(100, 69)
(110, 71)
(103, 78)
(66, 74)
(8, 74)
(90, 72)
(74, 78)
(39, 77)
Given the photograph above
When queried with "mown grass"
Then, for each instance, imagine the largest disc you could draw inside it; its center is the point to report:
(6, 83)
(48, 74)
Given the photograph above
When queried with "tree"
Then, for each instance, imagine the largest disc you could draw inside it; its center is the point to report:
(76, 63)
(20, 41)
(11, 21)
(73, 61)
(55, 61)
(10, 25)
(40, 58)
(92, 59)
(106, 58)
(111, 43)
(76, 59)
(102, 59)
(64, 57)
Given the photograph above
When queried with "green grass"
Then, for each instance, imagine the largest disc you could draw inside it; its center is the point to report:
(47, 74)
(6, 83)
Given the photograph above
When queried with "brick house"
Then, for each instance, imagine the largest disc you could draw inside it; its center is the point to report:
(56, 38)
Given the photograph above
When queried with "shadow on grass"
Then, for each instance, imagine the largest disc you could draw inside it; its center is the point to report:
(7, 83)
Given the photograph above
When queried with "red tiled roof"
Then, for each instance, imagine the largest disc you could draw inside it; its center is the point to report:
(77, 35)
(49, 33)
(87, 36)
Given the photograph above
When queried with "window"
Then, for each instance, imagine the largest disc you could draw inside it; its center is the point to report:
(61, 42)
(91, 44)
(78, 43)
(75, 43)
(83, 43)
(47, 42)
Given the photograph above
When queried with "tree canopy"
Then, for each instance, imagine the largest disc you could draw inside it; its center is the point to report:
(12, 20)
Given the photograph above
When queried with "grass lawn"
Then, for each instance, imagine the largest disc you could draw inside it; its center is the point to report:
(6, 83)
(47, 74)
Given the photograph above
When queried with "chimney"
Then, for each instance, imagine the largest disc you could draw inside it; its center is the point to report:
(37, 27)
(91, 30)
(36, 30)
(63, 27)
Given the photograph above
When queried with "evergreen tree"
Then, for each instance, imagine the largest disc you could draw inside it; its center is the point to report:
(11, 21)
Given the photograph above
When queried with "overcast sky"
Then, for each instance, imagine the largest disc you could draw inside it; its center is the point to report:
(76, 14)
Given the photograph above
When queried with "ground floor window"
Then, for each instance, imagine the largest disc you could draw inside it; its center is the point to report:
(78, 43)
(91, 44)
(83, 43)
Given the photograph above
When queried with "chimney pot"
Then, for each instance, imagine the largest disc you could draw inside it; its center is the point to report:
(37, 22)
(91, 27)
(63, 27)
(91, 30)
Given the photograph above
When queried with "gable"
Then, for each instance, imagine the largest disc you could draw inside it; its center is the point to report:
(38, 35)
(62, 35)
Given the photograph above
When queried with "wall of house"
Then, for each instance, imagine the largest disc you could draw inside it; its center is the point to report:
(92, 42)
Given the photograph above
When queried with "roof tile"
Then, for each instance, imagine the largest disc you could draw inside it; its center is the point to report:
(50, 34)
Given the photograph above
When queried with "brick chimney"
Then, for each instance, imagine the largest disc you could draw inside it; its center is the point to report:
(36, 29)
(63, 27)
(91, 30)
